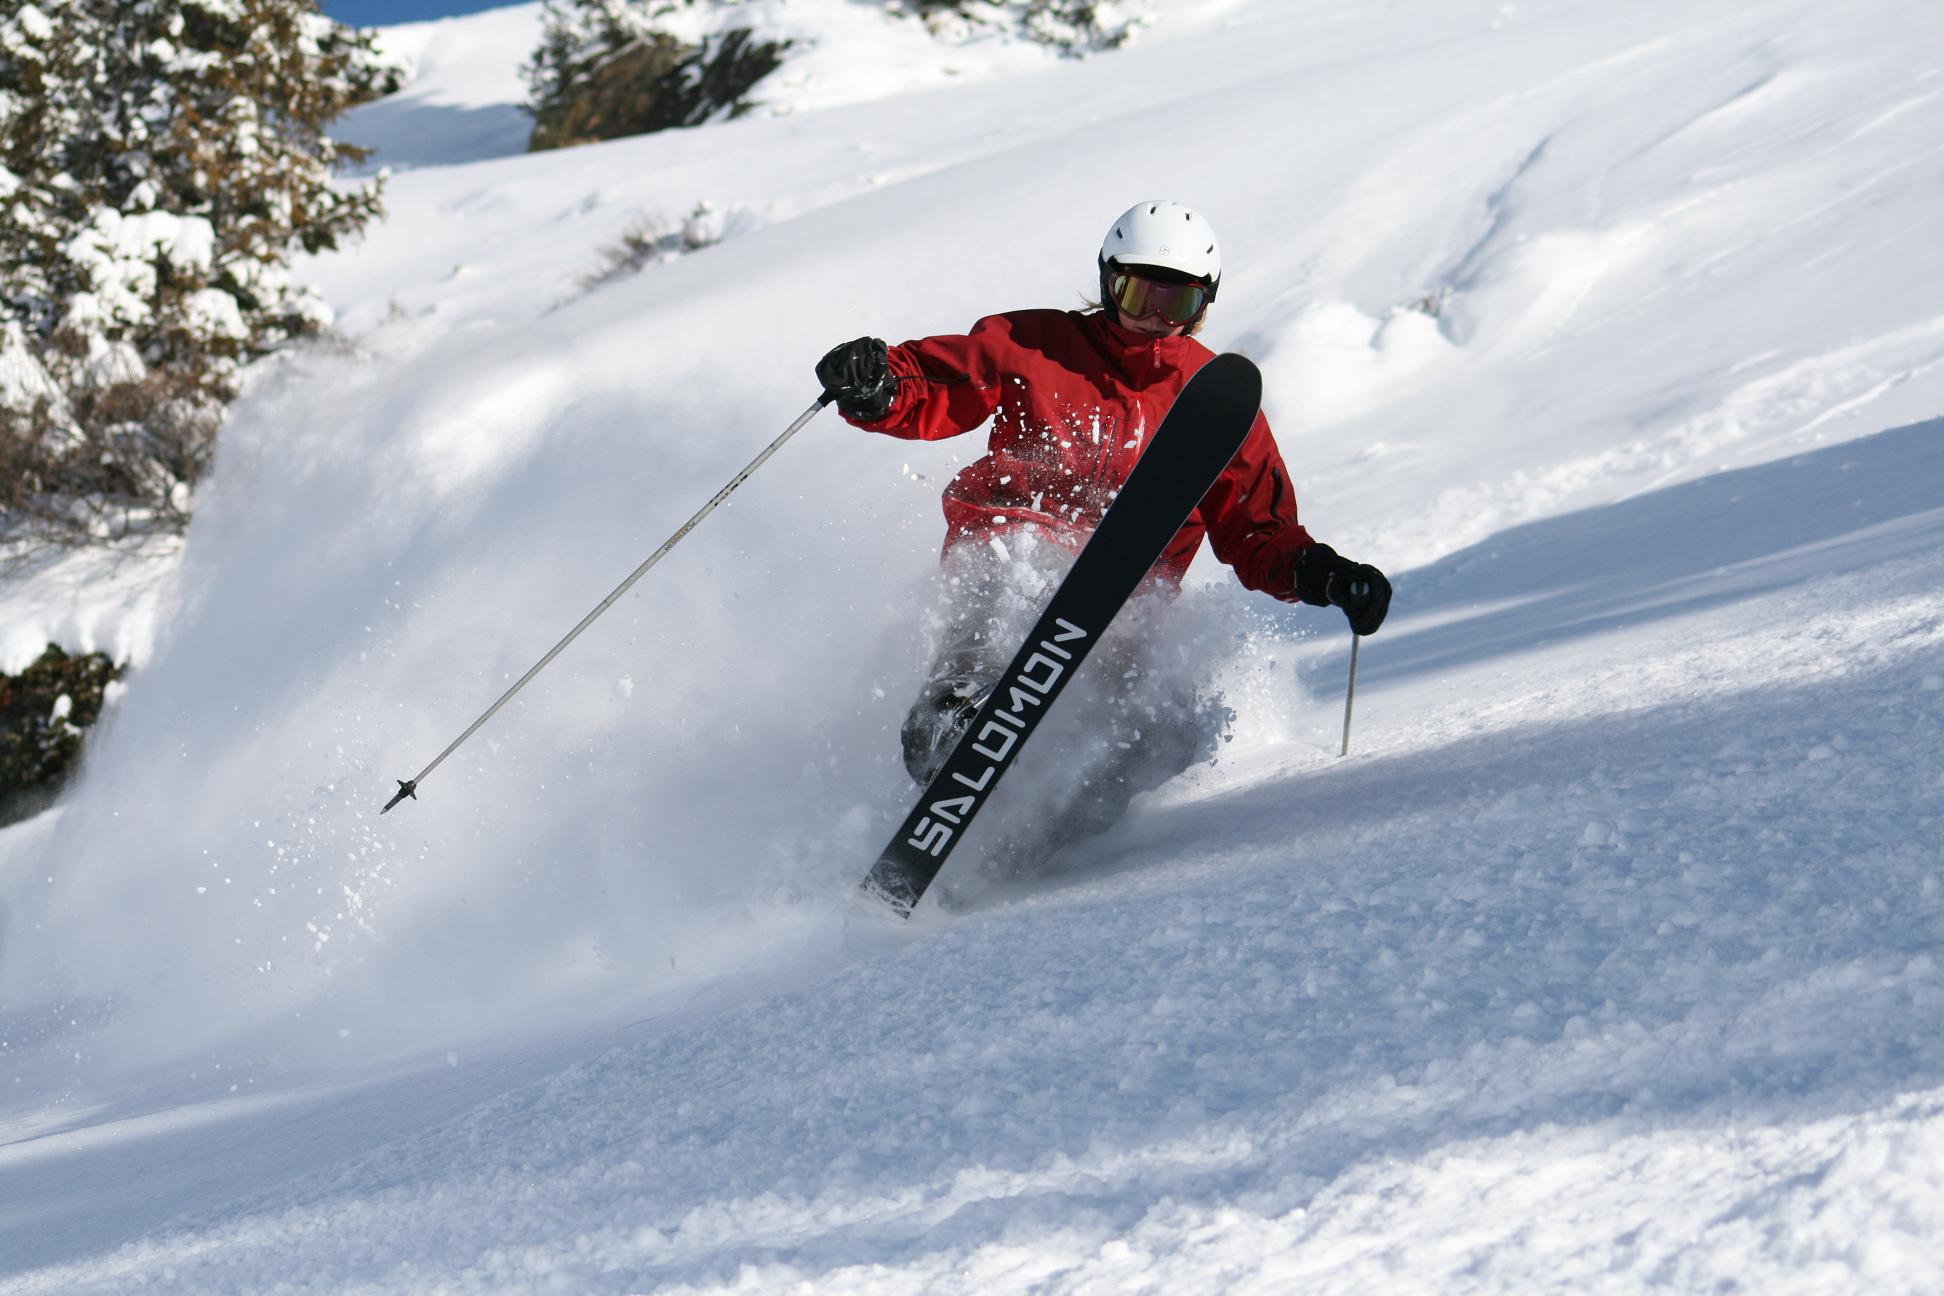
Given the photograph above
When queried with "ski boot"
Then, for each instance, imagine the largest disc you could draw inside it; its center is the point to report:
(936, 722)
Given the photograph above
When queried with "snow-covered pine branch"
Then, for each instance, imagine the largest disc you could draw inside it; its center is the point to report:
(161, 161)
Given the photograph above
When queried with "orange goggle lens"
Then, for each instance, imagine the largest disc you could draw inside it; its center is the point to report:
(1138, 298)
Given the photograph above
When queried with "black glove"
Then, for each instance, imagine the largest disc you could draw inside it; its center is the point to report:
(857, 375)
(1324, 578)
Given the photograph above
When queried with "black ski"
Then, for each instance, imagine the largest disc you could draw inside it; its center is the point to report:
(1203, 430)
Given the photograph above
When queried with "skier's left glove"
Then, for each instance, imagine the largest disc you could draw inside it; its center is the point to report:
(857, 375)
(1324, 578)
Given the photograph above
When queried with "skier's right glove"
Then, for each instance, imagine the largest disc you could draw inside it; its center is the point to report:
(1324, 578)
(857, 375)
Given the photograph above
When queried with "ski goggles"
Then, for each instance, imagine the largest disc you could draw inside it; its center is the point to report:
(1137, 298)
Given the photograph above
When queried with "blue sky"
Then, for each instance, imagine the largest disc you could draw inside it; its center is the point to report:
(376, 13)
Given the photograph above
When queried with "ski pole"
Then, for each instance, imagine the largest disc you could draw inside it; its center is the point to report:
(409, 787)
(1350, 698)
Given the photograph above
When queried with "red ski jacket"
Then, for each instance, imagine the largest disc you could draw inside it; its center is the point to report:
(1077, 398)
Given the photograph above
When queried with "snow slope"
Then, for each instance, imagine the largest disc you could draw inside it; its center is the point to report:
(461, 102)
(1609, 961)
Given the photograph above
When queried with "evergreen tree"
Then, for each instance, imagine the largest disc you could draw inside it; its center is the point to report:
(609, 68)
(576, 38)
(161, 162)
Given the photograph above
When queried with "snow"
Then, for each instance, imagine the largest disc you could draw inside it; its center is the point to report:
(88, 601)
(121, 254)
(35, 23)
(22, 380)
(462, 100)
(1608, 960)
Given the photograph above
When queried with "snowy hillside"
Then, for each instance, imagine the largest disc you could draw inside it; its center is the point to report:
(1612, 959)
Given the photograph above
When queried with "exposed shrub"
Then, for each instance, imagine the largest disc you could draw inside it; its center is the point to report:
(1432, 303)
(1074, 27)
(604, 70)
(43, 712)
(609, 68)
(649, 239)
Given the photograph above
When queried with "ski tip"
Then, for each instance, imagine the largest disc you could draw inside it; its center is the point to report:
(406, 788)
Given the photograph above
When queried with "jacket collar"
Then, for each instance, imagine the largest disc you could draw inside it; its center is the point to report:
(1137, 355)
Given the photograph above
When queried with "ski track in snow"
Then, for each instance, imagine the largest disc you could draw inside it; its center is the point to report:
(1609, 961)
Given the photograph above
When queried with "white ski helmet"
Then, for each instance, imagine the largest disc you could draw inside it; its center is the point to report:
(1164, 234)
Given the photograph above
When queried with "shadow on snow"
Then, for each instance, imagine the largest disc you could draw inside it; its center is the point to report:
(1729, 536)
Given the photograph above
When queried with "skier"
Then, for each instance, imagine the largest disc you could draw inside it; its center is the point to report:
(1074, 397)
